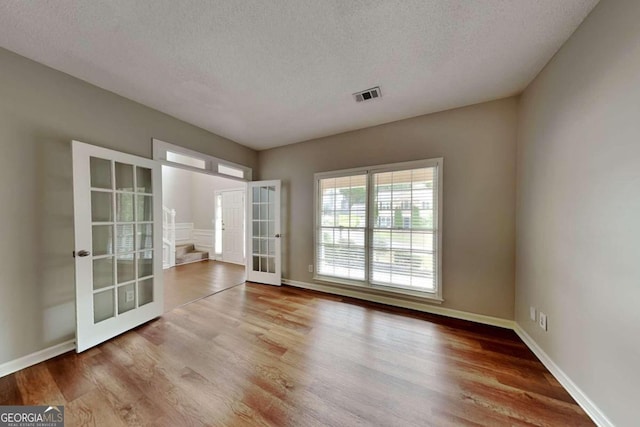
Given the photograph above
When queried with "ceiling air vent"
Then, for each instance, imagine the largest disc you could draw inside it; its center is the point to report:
(368, 95)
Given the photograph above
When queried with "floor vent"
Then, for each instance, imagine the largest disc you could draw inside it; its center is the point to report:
(368, 95)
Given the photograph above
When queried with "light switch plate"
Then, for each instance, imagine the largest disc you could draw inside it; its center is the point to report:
(532, 313)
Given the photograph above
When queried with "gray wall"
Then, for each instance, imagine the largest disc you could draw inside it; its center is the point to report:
(578, 208)
(478, 146)
(41, 111)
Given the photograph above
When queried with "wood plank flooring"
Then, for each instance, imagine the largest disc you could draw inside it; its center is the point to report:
(258, 355)
(189, 282)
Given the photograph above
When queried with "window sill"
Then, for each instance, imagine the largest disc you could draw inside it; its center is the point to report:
(386, 291)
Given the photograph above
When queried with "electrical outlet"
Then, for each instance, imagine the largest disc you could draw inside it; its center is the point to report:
(532, 313)
(129, 296)
(542, 321)
(310, 268)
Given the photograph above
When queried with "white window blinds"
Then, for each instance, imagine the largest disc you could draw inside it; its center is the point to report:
(341, 248)
(403, 234)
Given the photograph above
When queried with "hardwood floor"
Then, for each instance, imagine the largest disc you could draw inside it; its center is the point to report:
(280, 356)
(189, 282)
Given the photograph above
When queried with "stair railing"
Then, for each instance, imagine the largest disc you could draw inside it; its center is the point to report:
(168, 237)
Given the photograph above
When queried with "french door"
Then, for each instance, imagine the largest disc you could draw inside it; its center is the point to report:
(118, 242)
(264, 258)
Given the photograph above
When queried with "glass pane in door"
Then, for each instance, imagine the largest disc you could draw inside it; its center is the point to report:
(124, 207)
(126, 298)
(143, 178)
(101, 206)
(100, 173)
(126, 268)
(102, 273)
(144, 208)
(145, 264)
(103, 306)
(145, 236)
(102, 240)
(124, 177)
(145, 292)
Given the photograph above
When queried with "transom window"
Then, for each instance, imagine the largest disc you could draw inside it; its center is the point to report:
(379, 227)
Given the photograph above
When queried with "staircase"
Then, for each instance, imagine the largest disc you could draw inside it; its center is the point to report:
(188, 253)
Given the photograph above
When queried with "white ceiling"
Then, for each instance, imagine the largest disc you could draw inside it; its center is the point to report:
(270, 73)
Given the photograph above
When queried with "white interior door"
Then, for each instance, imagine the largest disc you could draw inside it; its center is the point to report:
(264, 264)
(233, 226)
(118, 242)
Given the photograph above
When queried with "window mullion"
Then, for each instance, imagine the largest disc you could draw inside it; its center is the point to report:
(368, 235)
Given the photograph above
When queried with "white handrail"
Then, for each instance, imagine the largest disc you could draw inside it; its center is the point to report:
(169, 236)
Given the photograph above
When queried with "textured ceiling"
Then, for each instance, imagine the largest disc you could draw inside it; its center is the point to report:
(269, 73)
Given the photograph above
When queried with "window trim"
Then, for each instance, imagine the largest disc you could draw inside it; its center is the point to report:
(437, 163)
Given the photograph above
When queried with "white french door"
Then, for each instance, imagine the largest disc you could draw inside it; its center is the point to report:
(264, 258)
(233, 226)
(118, 242)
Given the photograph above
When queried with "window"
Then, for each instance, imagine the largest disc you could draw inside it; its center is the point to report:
(379, 227)
(231, 171)
(186, 160)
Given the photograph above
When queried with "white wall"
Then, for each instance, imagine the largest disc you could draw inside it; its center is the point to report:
(204, 208)
(177, 192)
(192, 195)
(578, 208)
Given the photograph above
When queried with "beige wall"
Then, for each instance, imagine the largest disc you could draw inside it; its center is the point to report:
(41, 111)
(579, 208)
(478, 146)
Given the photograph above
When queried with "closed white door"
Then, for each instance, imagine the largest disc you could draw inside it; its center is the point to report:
(263, 233)
(118, 242)
(233, 226)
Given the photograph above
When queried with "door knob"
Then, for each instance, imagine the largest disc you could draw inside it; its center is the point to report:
(277, 236)
(82, 253)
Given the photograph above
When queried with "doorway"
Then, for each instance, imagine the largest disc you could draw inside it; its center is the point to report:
(203, 234)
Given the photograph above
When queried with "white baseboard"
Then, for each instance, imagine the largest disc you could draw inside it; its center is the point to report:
(399, 302)
(578, 395)
(37, 357)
